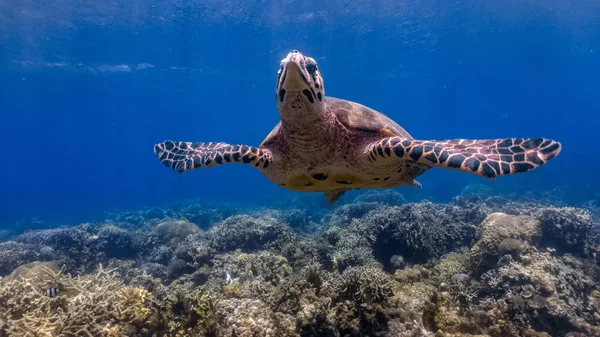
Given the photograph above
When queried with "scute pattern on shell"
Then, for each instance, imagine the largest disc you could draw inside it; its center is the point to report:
(359, 118)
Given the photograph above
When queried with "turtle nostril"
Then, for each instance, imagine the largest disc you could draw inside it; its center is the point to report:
(294, 51)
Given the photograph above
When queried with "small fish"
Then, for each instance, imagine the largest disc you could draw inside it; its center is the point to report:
(52, 292)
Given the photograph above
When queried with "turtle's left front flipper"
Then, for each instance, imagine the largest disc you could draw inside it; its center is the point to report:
(488, 158)
(185, 156)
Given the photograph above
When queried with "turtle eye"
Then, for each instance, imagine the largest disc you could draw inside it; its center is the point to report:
(311, 65)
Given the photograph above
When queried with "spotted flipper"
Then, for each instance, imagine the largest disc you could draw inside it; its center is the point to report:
(487, 158)
(185, 156)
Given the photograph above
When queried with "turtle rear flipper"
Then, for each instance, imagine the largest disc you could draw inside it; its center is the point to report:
(488, 158)
(333, 196)
(185, 156)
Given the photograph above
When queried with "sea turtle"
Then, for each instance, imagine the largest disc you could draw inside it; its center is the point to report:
(330, 145)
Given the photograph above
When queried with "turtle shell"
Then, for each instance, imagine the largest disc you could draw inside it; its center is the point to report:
(357, 118)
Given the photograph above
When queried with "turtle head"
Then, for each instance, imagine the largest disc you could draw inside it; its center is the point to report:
(300, 86)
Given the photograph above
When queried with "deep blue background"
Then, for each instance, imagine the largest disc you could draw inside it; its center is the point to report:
(88, 87)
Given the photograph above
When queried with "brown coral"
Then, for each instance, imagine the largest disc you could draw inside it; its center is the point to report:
(172, 232)
(91, 307)
(251, 318)
(498, 227)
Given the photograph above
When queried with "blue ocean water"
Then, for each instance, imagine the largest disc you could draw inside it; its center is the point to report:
(88, 87)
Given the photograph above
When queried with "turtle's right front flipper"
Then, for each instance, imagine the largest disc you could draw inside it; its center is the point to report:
(185, 156)
(489, 158)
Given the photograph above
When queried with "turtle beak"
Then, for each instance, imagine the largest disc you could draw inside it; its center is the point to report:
(293, 72)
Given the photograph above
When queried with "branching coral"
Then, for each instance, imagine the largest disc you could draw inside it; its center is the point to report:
(270, 267)
(83, 247)
(248, 317)
(71, 246)
(566, 228)
(204, 310)
(184, 310)
(112, 241)
(365, 285)
(360, 300)
(343, 215)
(452, 264)
(298, 219)
(89, 306)
(14, 254)
(352, 249)
(417, 232)
(249, 234)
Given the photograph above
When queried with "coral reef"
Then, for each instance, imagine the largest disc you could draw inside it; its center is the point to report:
(417, 232)
(248, 234)
(172, 232)
(94, 305)
(83, 247)
(14, 254)
(500, 232)
(203, 213)
(249, 317)
(481, 265)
